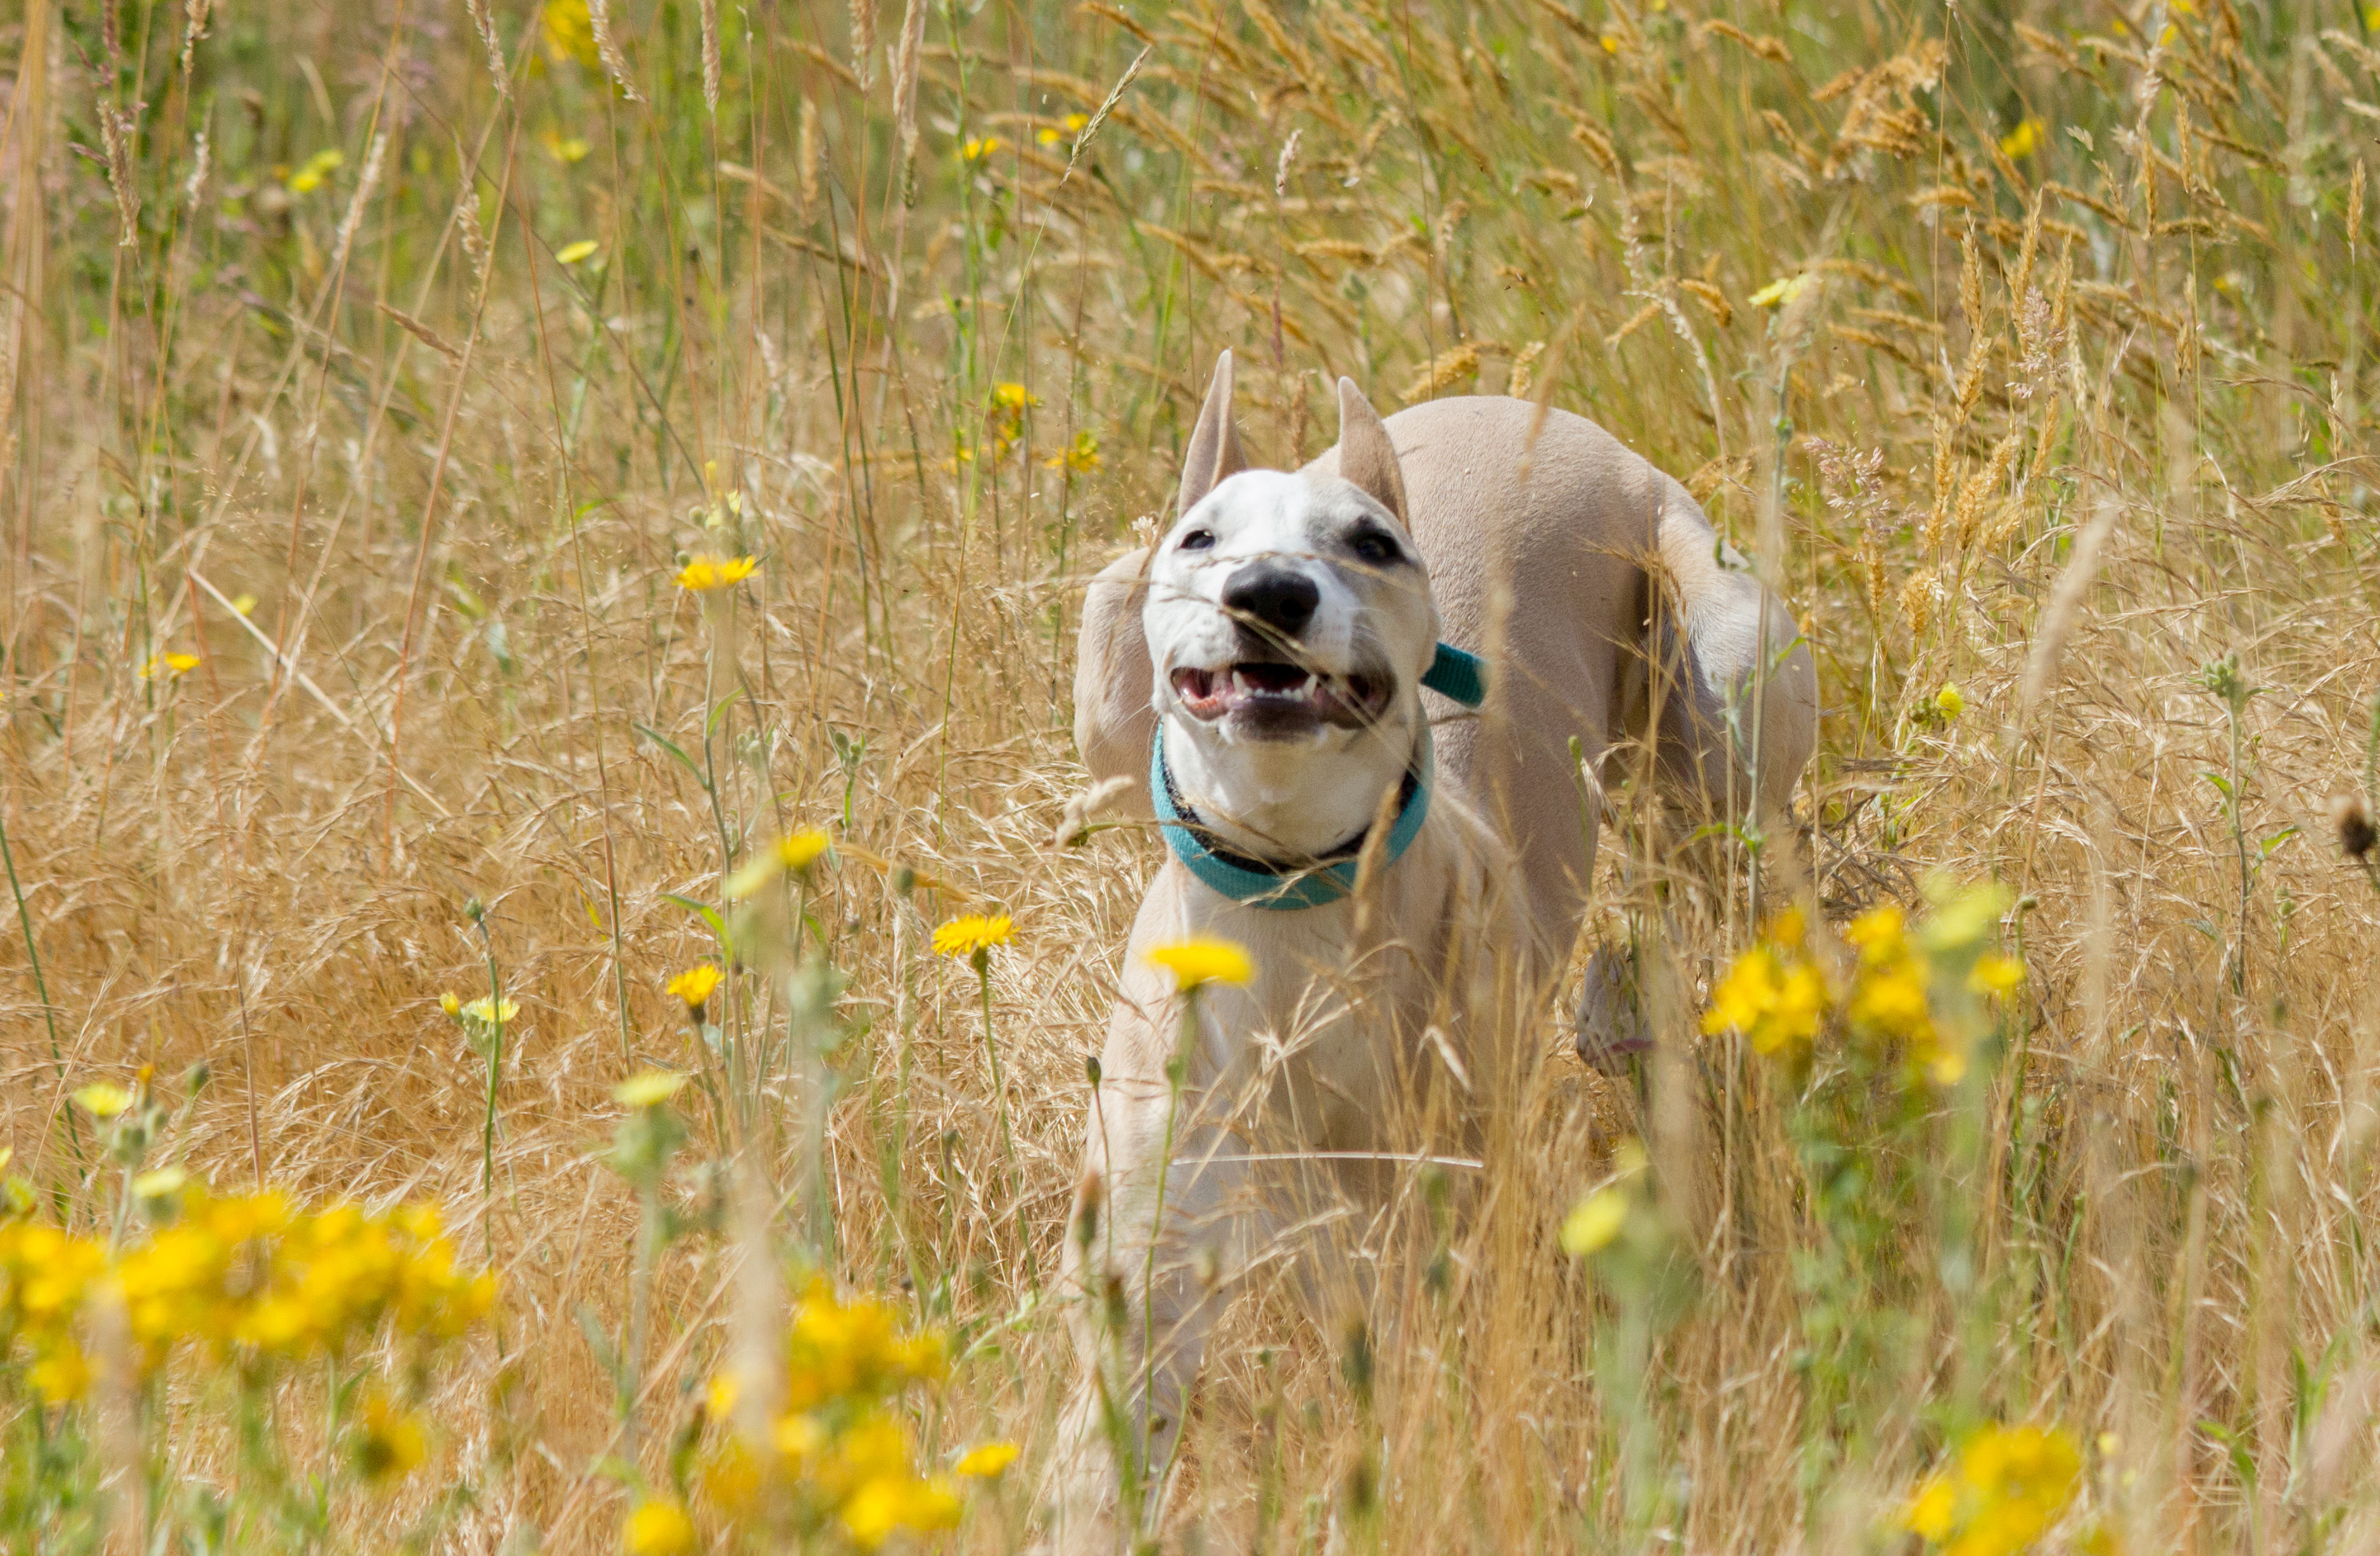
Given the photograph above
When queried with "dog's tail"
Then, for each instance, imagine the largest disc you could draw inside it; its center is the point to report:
(1727, 688)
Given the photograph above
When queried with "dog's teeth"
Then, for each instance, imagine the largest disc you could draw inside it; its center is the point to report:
(1239, 683)
(1313, 682)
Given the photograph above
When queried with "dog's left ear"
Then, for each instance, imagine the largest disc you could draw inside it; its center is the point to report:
(1367, 457)
(1214, 450)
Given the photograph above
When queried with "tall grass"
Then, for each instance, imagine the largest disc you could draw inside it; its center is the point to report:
(347, 487)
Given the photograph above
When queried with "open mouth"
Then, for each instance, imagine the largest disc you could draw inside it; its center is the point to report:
(1270, 692)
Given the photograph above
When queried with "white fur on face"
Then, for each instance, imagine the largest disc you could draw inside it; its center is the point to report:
(1285, 748)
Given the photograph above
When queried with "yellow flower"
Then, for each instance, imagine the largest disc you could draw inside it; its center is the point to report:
(1082, 458)
(695, 985)
(450, 1005)
(1950, 702)
(658, 1528)
(388, 1445)
(705, 573)
(2028, 137)
(1048, 136)
(571, 253)
(981, 149)
(986, 1460)
(1012, 398)
(319, 167)
(976, 932)
(1995, 974)
(1611, 42)
(1782, 291)
(491, 1013)
(1202, 959)
(1772, 995)
(885, 1504)
(564, 149)
(794, 851)
(168, 664)
(102, 1099)
(569, 34)
(649, 1089)
(1594, 1222)
(2001, 1492)
(243, 603)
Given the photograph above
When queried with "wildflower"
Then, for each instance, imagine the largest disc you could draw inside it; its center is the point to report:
(2356, 835)
(1995, 974)
(1782, 291)
(102, 1099)
(986, 1460)
(1594, 1222)
(245, 604)
(1950, 702)
(2028, 137)
(981, 149)
(1611, 42)
(317, 169)
(1074, 124)
(2002, 1491)
(1082, 458)
(565, 148)
(704, 573)
(569, 34)
(658, 1528)
(695, 986)
(489, 1012)
(1201, 960)
(571, 253)
(1772, 993)
(972, 935)
(794, 851)
(648, 1089)
(1012, 398)
(889, 1503)
(389, 1443)
(168, 664)
(450, 1005)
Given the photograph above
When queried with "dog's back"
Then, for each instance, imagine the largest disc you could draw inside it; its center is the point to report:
(1539, 548)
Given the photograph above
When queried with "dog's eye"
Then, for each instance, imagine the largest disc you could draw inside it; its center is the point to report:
(1197, 540)
(1372, 546)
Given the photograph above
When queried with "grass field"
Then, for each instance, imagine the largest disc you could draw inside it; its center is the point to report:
(368, 374)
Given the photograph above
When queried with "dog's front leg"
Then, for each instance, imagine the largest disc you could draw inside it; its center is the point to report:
(1161, 1222)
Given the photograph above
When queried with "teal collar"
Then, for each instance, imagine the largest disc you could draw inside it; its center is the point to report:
(1259, 883)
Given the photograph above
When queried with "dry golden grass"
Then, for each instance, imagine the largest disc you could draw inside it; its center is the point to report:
(2118, 365)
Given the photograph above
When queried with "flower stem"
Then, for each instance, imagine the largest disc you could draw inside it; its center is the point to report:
(1000, 1109)
(495, 1069)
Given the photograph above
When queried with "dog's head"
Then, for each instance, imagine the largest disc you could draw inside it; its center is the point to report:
(1289, 623)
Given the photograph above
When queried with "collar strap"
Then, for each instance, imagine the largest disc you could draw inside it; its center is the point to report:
(1261, 883)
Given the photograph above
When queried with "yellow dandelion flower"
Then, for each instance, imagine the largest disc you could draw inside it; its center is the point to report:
(1082, 458)
(168, 664)
(1594, 1222)
(1049, 136)
(569, 34)
(1995, 974)
(965, 937)
(1078, 123)
(103, 1099)
(658, 1528)
(1782, 291)
(1012, 398)
(705, 573)
(317, 169)
(1202, 959)
(571, 253)
(794, 851)
(649, 1089)
(450, 1005)
(492, 1012)
(695, 985)
(388, 1444)
(986, 1460)
(2028, 137)
(798, 851)
(1950, 702)
(980, 150)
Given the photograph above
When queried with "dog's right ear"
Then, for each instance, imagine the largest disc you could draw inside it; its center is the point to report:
(1214, 444)
(1366, 457)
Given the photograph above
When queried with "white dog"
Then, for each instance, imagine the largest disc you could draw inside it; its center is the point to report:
(1264, 664)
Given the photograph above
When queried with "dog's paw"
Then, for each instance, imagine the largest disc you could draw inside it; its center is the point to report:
(1611, 1026)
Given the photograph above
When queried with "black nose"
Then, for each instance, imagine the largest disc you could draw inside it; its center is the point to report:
(1267, 594)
